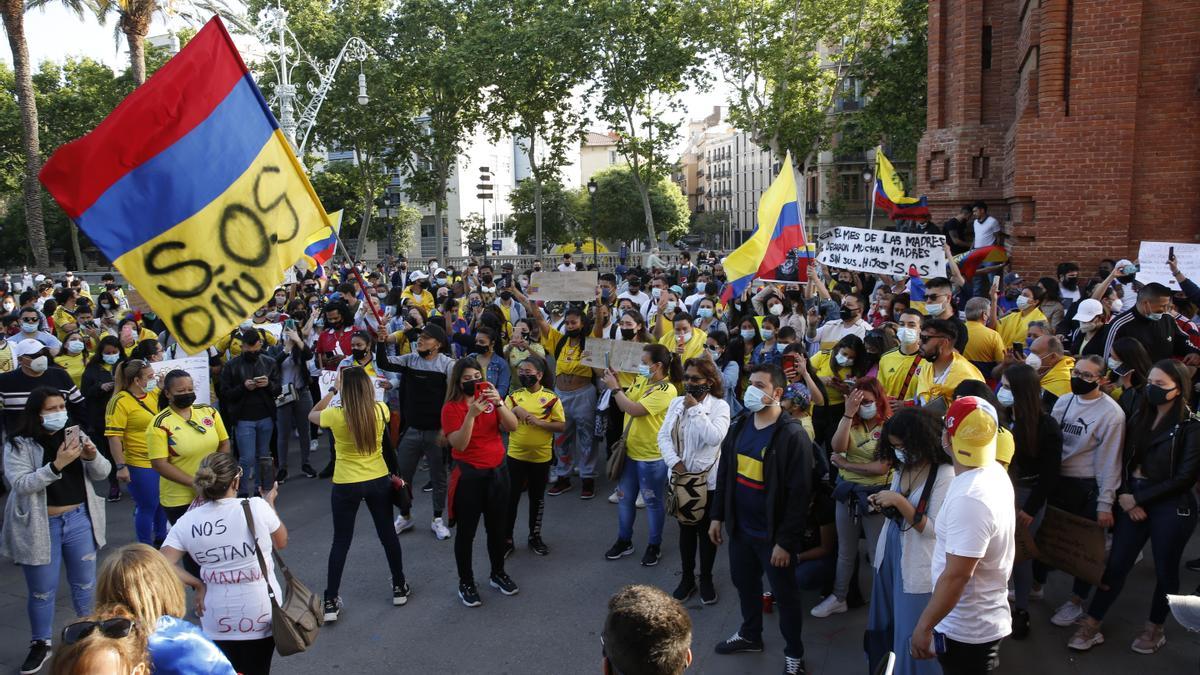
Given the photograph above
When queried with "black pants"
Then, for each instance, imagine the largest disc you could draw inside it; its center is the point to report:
(749, 560)
(825, 422)
(476, 493)
(961, 658)
(174, 513)
(616, 425)
(344, 499)
(530, 478)
(249, 657)
(692, 537)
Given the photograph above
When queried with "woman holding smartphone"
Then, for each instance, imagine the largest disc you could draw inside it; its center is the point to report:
(129, 415)
(472, 418)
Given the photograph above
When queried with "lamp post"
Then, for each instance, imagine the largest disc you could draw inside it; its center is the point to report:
(592, 198)
(868, 178)
(286, 54)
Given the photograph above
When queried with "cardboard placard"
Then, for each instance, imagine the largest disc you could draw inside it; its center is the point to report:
(1152, 258)
(881, 252)
(1073, 544)
(620, 355)
(136, 301)
(327, 378)
(565, 286)
(197, 367)
(1026, 545)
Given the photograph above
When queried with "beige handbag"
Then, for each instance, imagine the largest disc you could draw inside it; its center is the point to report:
(296, 621)
(617, 454)
(687, 491)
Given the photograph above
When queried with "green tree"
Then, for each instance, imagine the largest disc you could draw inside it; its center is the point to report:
(619, 206)
(540, 56)
(647, 57)
(562, 211)
(474, 233)
(133, 22)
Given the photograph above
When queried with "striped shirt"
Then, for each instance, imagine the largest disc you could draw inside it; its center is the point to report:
(15, 388)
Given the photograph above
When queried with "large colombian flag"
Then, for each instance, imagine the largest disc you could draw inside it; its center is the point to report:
(780, 230)
(192, 191)
(889, 193)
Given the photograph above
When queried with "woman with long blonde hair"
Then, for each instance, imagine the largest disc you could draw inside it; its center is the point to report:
(130, 412)
(359, 475)
(141, 579)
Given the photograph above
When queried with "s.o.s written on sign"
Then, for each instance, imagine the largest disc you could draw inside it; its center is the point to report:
(882, 252)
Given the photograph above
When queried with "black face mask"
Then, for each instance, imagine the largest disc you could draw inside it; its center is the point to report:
(485, 278)
(1079, 387)
(506, 295)
(1012, 294)
(1070, 283)
(628, 333)
(527, 381)
(424, 353)
(932, 357)
(696, 391)
(1127, 278)
(1156, 395)
(468, 387)
(573, 333)
(479, 349)
(182, 401)
(358, 354)
(846, 313)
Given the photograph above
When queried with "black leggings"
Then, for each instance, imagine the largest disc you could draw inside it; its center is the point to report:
(479, 492)
(344, 499)
(249, 657)
(174, 513)
(530, 477)
(692, 537)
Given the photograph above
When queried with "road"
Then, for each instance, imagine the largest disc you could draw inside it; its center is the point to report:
(553, 625)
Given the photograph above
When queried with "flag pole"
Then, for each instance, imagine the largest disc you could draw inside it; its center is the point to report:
(874, 187)
(361, 283)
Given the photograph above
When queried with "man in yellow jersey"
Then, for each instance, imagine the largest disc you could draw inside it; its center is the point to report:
(416, 293)
(944, 367)
(573, 384)
(898, 367)
(985, 348)
(1047, 356)
(684, 339)
(1014, 325)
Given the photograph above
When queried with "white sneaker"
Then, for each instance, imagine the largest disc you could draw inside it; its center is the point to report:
(829, 606)
(439, 529)
(401, 524)
(615, 497)
(1068, 614)
(641, 503)
(1037, 593)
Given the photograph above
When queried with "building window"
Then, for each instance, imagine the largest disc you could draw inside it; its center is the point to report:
(850, 188)
(612, 157)
(987, 47)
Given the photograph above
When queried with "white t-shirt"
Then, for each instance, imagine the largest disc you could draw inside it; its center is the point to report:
(215, 535)
(985, 232)
(640, 299)
(977, 520)
(566, 267)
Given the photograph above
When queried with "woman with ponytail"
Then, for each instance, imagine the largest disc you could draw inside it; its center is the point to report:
(129, 415)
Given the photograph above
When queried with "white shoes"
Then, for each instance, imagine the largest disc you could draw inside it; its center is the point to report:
(439, 529)
(829, 606)
(1068, 614)
(615, 498)
(401, 524)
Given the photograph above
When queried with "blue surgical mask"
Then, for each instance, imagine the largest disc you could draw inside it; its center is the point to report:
(54, 421)
(780, 347)
(704, 312)
(1005, 396)
(74, 346)
(747, 334)
(644, 370)
(900, 456)
(33, 327)
(768, 333)
(715, 354)
(111, 359)
(1153, 316)
(753, 399)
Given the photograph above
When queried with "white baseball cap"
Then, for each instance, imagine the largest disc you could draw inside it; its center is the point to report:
(417, 276)
(1088, 309)
(28, 347)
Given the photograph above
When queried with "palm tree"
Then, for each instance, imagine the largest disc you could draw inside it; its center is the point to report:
(13, 14)
(133, 21)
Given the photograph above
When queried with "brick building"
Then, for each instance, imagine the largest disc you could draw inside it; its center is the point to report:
(1078, 121)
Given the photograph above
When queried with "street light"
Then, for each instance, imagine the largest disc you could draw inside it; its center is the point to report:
(592, 195)
(363, 99)
(485, 193)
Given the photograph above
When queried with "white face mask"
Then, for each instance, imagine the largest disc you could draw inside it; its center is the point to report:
(687, 337)
(1033, 361)
(1117, 305)
(655, 292)
(1005, 396)
(900, 456)
(670, 305)
(1114, 365)
(775, 309)
(40, 364)
(908, 336)
(935, 308)
(868, 411)
(843, 360)
(1022, 302)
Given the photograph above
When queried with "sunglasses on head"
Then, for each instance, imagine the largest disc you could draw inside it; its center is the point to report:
(115, 628)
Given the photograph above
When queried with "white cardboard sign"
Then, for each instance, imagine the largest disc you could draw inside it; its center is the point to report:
(881, 252)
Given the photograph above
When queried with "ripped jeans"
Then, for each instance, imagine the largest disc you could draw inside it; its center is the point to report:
(72, 542)
(650, 479)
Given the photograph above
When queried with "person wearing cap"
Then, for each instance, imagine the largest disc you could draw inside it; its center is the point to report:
(416, 293)
(249, 384)
(424, 377)
(36, 368)
(1012, 286)
(1093, 431)
(974, 549)
(1148, 322)
(945, 368)
(1088, 320)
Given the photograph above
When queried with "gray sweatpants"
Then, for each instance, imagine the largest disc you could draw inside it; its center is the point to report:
(414, 444)
(576, 445)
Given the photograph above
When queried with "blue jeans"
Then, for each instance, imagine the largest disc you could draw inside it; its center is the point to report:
(649, 478)
(149, 518)
(254, 447)
(72, 542)
(1168, 525)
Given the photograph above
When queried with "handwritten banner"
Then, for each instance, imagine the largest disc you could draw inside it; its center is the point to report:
(327, 378)
(1152, 258)
(882, 252)
(566, 286)
(621, 356)
(197, 367)
(1073, 544)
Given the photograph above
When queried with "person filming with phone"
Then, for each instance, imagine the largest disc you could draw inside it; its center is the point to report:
(250, 383)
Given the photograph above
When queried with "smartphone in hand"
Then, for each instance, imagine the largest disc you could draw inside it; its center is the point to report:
(73, 435)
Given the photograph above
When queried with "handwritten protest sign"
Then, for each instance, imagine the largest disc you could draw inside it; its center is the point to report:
(1152, 258)
(566, 286)
(1026, 546)
(882, 252)
(327, 378)
(1073, 544)
(197, 367)
(621, 356)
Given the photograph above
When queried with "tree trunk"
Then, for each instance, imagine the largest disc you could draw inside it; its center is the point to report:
(13, 13)
(75, 250)
(645, 191)
(137, 53)
(537, 197)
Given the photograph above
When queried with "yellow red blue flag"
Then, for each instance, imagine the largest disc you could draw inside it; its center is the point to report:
(192, 191)
(889, 192)
(780, 231)
(320, 246)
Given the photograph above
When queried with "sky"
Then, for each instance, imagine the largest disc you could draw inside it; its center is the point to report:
(56, 34)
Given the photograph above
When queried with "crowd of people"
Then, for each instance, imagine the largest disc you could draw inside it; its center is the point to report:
(810, 428)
